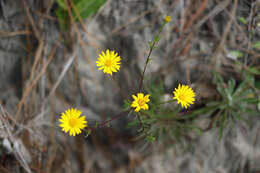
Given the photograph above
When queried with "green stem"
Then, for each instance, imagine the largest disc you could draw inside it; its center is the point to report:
(149, 55)
(146, 63)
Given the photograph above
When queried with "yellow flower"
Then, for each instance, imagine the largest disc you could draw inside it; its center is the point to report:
(72, 121)
(167, 19)
(184, 95)
(140, 102)
(109, 62)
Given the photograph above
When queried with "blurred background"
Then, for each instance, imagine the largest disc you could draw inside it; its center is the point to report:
(48, 64)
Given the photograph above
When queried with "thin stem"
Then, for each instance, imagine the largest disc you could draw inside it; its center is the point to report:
(140, 120)
(146, 63)
(149, 55)
(108, 121)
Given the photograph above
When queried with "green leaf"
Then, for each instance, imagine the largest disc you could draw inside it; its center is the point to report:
(62, 4)
(63, 18)
(231, 85)
(240, 88)
(256, 45)
(83, 8)
(250, 78)
(235, 54)
(253, 70)
(133, 123)
(250, 100)
(88, 7)
(88, 132)
(222, 124)
(96, 125)
(150, 138)
(242, 20)
(220, 85)
(157, 38)
(257, 84)
(127, 105)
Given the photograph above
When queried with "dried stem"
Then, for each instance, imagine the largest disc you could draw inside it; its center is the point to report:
(108, 121)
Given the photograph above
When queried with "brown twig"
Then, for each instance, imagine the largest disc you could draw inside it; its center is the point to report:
(92, 42)
(82, 43)
(15, 33)
(8, 130)
(34, 82)
(216, 54)
(203, 5)
(29, 16)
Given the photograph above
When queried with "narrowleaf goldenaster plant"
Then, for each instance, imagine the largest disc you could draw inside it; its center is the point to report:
(184, 95)
(109, 62)
(72, 121)
(140, 102)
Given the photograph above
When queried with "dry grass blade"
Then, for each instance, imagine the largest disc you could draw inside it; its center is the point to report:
(34, 82)
(8, 129)
(92, 42)
(37, 57)
(196, 15)
(65, 69)
(34, 27)
(15, 33)
(216, 55)
(82, 43)
(220, 7)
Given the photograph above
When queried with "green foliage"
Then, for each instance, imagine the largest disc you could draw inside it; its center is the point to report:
(242, 20)
(127, 105)
(87, 132)
(236, 54)
(235, 102)
(256, 45)
(163, 123)
(249, 70)
(83, 8)
(157, 38)
(150, 44)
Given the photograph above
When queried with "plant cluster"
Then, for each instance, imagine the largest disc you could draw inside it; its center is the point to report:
(109, 62)
(167, 121)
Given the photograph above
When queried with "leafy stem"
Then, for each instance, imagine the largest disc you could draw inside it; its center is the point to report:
(156, 39)
(146, 63)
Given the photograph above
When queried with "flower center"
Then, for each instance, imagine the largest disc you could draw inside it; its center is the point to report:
(182, 97)
(72, 122)
(141, 102)
(108, 62)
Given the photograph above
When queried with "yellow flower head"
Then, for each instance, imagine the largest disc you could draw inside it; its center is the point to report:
(72, 121)
(140, 102)
(184, 95)
(109, 62)
(167, 19)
